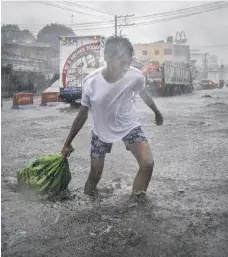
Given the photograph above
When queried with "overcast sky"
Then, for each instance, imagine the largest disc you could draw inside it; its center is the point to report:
(206, 29)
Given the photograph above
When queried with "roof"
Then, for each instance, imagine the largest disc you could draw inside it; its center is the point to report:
(54, 88)
(29, 44)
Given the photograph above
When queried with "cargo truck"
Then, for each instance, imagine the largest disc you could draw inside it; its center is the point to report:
(167, 80)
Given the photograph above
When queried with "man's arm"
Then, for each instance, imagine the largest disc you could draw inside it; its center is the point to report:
(151, 104)
(76, 127)
(149, 101)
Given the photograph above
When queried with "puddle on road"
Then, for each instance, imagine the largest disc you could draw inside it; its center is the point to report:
(111, 225)
(108, 225)
(218, 104)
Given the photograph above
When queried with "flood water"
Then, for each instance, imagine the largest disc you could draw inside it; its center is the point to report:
(186, 210)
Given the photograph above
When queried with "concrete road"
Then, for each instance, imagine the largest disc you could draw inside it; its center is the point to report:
(186, 212)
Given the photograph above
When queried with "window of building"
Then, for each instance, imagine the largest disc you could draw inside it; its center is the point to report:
(144, 52)
(168, 51)
(156, 52)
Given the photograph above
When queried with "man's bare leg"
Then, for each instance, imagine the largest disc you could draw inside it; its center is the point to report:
(97, 165)
(142, 152)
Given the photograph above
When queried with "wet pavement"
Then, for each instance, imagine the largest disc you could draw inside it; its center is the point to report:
(186, 210)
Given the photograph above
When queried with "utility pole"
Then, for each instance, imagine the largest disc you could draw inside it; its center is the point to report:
(221, 70)
(205, 66)
(191, 53)
(122, 25)
(192, 63)
(116, 20)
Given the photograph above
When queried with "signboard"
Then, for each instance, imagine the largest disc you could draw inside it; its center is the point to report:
(79, 56)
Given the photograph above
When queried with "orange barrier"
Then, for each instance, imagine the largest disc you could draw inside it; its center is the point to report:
(22, 99)
(49, 97)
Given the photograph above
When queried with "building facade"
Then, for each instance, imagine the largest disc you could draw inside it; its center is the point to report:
(163, 52)
(35, 57)
(213, 62)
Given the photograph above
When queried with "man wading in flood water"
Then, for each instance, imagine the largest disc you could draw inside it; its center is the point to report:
(108, 92)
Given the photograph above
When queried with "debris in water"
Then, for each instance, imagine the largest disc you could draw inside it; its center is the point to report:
(206, 96)
(117, 186)
(106, 230)
(92, 234)
(57, 218)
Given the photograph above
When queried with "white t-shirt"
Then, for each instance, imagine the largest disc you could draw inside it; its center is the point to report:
(113, 112)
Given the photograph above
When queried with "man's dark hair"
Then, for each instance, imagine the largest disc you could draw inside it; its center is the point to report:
(117, 46)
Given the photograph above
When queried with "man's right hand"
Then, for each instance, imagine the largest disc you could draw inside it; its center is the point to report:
(158, 118)
(67, 150)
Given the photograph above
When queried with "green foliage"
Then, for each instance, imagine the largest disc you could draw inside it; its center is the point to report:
(12, 33)
(46, 176)
(50, 33)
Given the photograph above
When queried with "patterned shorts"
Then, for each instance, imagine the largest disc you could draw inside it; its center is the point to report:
(100, 148)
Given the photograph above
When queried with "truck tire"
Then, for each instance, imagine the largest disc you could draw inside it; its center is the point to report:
(169, 91)
(184, 89)
(179, 91)
(173, 91)
(188, 89)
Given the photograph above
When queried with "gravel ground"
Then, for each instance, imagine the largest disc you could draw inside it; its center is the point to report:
(186, 211)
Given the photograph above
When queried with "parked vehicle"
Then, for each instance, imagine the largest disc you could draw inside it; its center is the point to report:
(208, 84)
(167, 80)
(79, 56)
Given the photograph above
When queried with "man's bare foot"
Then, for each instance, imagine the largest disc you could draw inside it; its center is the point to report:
(89, 189)
(89, 192)
(138, 197)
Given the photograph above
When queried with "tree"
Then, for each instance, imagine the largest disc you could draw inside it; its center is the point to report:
(27, 36)
(10, 32)
(50, 33)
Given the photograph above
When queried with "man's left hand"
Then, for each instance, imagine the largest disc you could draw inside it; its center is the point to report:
(158, 119)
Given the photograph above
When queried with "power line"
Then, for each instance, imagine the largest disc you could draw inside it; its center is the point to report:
(212, 46)
(82, 6)
(108, 10)
(122, 25)
(220, 4)
(67, 9)
(172, 18)
(76, 24)
(83, 29)
(144, 23)
(163, 15)
(176, 17)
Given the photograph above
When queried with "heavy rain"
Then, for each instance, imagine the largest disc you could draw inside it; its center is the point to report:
(185, 211)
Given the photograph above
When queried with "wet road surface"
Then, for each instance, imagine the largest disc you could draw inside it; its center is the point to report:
(186, 211)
